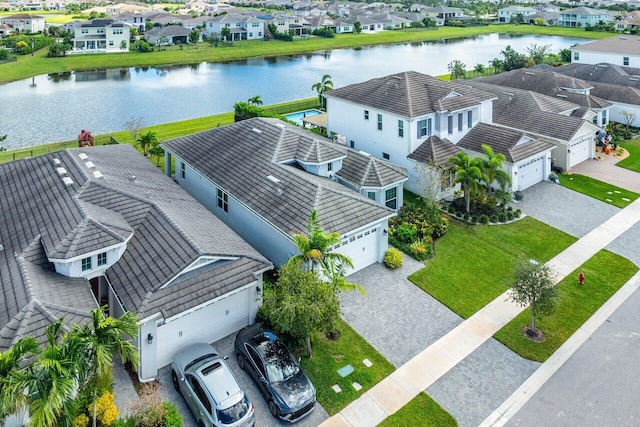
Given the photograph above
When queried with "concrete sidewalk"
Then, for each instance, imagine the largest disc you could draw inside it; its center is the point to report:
(395, 391)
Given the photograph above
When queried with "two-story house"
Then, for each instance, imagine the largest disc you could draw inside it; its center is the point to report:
(507, 14)
(23, 23)
(241, 27)
(582, 16)
(101, 35)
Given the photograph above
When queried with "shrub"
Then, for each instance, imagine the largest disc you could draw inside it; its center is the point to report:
(484, 219)
(106, 410)
(4, 53)
(517, 195)
(149, 410)
(81, 420)
(465, 217)
(510, 215)
(517, 213)
(127, 422)
(393, 258)
(406, 233)
(441, 227)
(494, 218)
(502, 217)
(419, 249)
(474, 218)
(173, 418)
(451, 209)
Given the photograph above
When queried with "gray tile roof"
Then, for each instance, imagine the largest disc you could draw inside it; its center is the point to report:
(239, 157)
(410, 94)
(626, 44)
(603, 73)
(363, 170)
(513, 144)
(42, 217)
(168, 31)
(435, 151)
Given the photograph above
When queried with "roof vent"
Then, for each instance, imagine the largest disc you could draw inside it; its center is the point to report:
(1, 248)
(508, 93)
(273, 180)
(530, 73)
(83, 156)
(364, 153)
(634, 79)
(98, 175)
(90, 165)
(147, 194)
(132, 178)
(67, 181)
(561, 96)
(279, 125)
(56, 161)
(279, 192)
(256, 130)
(61, 171)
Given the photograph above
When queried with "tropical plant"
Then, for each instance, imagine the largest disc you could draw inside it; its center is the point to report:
(146, 141)
(479, 70)
(357, 27)
(393, 258)
(194, 36)
(13, 399)
(225, 32)
(497, 64)
(457, 69)
(537, 52)
(492, 171)
(255, 100)
(512, 59)
(325, 85)
(156, 151)
(467, 172)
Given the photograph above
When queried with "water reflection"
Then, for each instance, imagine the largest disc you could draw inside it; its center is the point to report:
(116, 74)
(60, 77)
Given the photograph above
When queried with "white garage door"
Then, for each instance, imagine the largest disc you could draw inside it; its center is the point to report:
(362, 248)
(530, 173)
(579, 152)
(207, 324)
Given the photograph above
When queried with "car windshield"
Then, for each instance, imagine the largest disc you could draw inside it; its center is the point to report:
(281, 369)
(233, 413)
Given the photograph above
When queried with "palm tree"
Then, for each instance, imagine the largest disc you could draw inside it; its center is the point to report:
(479, 69)
(255, 100)
(103, 338)
(146, 140)
(336, 272)
(314, 247)
(323, 86)
(457, 69)
(13, 399)
(468, 173)
(492, 170)
(497, 65)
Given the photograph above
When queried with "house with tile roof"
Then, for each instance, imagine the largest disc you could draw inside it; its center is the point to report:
(583, 17)
(23, 22)
(101, 36)
(242, 26)
(506, 14)
(263, 178)
(621, 50)
(96, 226)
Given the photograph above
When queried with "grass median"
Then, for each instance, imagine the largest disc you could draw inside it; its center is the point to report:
(633, 161)
(599, 190)
(421, 411)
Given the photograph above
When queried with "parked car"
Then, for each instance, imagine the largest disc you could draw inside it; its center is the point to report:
(287, 389)
(210, 389)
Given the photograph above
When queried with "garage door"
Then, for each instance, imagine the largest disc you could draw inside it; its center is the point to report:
(579, 152)
(207, 324)
(530, 173)
(362, 248)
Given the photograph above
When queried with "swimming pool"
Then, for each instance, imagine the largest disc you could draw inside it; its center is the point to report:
(299, 115)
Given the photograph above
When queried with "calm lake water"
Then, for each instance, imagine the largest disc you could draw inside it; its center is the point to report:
(50, 108)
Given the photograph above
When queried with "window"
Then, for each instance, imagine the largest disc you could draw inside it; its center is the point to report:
(576, 56)
(459, 122)
(110, 42)
(604, 116)
(85, 31)
(371, 195)
(117, 31)
(469, 119)
(625, 60)
(385, 156)
(330, 167)
(86, 264)
(450, 124)
(401, 128)
(255, 24)
(183, 170)
(197, 389)
(424, 128)
(250, 34)
(366, 114)
(379, 121)
(390, 198)
(352, 144)
(223, 200)
(102, 259)
(100, 30)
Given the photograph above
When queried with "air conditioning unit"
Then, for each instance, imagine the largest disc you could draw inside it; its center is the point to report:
(340, 139)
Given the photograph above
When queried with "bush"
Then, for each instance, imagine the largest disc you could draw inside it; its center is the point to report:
(149, 410)
(502, 217)
(4, 53)
(474, 218)
(106, 410)
(81, 420)
(465, 217)
(420, 250)
(406, 233)
(484, 219)
(127, 422)
(510, 215)
(393, 258)
(517, 195)
(173, 418)
(494, 218)
(517, 213)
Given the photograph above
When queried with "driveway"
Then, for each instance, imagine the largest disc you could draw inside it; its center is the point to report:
(263, 416)
(605, 169)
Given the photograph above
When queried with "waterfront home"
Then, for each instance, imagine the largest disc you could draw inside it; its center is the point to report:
(101, 36)
(23, 23)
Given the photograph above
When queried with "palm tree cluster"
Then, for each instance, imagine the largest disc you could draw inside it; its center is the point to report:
(477, 175)
(55, 382)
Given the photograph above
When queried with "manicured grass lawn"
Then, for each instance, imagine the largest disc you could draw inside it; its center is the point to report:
(599, 189)
(329, 356)
(422, 411)
(473, 264)
(28, 66)
(633, 161)
(605, 273)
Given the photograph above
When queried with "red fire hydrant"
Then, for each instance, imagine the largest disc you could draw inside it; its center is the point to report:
(581, 278)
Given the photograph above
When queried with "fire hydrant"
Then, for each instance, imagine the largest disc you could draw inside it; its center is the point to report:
(581, 278)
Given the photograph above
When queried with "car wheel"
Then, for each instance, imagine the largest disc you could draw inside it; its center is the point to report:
(273, 408)
(174, 378)
(241, 361)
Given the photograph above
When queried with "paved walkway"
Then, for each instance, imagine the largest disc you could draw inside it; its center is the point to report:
(606, 170)
(438, 359)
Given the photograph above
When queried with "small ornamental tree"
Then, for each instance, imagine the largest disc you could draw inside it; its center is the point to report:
(534, 287)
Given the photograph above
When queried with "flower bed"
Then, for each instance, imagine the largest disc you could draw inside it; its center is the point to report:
(416, 227)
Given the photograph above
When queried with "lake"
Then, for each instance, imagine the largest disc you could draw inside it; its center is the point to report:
(55, 107)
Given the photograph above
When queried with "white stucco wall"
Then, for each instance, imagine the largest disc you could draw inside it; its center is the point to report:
(587, 57)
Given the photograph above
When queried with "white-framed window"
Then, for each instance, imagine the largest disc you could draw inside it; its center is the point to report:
(102, 259)
(86, 264)
(117, 31)
(371, 195)
(424, 128)
(183, 170)
(329, 167)
(223, 200)
(110, 42)
(401, 128)
(385, 156)
(576, 56)
(469, 119)
(379, 121)
(625, 60)
(85, 31)
(390, 198)
(255, 24)
(450, 124)
(459, 122)
(366, 114)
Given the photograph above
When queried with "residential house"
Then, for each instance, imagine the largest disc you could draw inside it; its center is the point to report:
(112, 9)
(242, 27)
(5, 30)
(263, 178)
(507, 14)
(169, 35)
(135, 20)
(162, 18)
(618, 50)
(103, 226)
(101, 35)
(582, 17)
(24, 22)
(543, 18)
(444, 12)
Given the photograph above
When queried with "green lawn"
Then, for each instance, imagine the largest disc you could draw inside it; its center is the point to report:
(329, 356)
(473, 264)
(633, 161)
(598, 189)
(604, 274)
(422, 411)
(28, 66)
